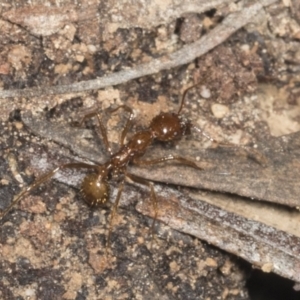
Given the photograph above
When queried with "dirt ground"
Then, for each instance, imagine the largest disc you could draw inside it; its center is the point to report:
(215, 226)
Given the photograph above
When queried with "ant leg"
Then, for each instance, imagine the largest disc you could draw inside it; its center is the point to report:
(113, 214)
(128, 123)
(181, 160)
(43, 179)
(103, 130)
(101, 126)
(247, 151)
(153, 196)
(204, 134)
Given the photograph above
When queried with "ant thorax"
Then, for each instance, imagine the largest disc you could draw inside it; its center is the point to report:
(140, 141)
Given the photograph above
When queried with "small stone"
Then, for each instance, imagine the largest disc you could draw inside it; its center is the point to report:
(205, 92)
(267, 268)
(219, 110)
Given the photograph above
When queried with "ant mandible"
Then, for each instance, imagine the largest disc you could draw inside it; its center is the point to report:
(164, 127)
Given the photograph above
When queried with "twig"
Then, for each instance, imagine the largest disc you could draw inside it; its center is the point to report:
(183, 56)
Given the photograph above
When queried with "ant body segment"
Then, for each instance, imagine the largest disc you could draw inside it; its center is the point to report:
(164, 127)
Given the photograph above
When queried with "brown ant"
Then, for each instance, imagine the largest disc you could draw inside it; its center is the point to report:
(165, 127)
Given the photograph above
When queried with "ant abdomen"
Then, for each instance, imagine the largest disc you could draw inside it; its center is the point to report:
(95, 190)
(168, 127)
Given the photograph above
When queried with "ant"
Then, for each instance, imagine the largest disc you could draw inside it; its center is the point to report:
(165, 127)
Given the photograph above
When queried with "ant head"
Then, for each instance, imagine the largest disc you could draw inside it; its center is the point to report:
(168, 127)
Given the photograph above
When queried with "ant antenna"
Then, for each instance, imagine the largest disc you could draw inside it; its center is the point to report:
(184, 95)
